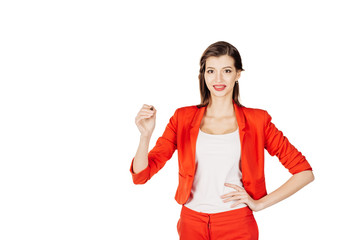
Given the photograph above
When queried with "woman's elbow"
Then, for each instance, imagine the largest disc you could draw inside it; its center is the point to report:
(312, 176)
(306, 176)
(309, 176)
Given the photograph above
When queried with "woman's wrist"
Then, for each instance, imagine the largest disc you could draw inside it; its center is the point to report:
(145, 137)
(259, 205)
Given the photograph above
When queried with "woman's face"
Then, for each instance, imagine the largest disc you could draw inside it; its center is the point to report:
(220, 75)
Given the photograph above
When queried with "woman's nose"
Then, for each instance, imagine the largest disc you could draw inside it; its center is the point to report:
(218, 77)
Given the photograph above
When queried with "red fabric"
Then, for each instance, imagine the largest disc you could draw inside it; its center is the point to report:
(238, 224)
(256, 131)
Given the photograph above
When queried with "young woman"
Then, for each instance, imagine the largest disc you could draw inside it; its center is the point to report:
(220, 147)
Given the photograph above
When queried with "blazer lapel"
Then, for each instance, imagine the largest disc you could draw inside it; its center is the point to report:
(195, 126)
(194, 131)
(241, 122)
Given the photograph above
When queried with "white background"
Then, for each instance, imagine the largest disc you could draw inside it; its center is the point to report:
(75, 73)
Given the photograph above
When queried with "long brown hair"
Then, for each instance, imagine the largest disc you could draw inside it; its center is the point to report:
(216, 50)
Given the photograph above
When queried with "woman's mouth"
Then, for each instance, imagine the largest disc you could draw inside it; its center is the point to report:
(219, 87)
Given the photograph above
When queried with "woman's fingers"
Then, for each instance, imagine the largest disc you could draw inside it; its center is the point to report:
(145, 115)
(229, 194)
(141, 117)
(232, 199)
(240, 194)
(236, 187)
(145, 119)
(145, 112)
(150, 107)
(146, 109)
(235, 197)
(237, 203)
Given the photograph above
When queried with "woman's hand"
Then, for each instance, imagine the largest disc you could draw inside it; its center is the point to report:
(145, 120)
(242, 196)
(294, 184)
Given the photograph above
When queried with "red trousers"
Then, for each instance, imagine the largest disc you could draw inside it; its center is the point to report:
(238, 224)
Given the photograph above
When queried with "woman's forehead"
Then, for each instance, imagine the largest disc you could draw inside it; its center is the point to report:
(221, 61)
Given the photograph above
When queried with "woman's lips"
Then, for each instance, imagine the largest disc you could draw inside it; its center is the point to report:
(219, 87)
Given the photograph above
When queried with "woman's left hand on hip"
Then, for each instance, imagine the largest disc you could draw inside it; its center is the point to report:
(242, 196)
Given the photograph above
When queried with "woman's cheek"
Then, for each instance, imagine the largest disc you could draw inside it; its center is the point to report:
(209, 78)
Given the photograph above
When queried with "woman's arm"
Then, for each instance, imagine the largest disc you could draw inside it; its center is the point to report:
(145, 164)
(145, 121)
(294, 184)
(141, 156)
(277, 144)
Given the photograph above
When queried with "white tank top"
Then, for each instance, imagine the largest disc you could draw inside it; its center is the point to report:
(217, 161)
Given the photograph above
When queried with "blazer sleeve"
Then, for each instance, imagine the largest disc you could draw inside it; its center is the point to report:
(277, 144)
(160, 154)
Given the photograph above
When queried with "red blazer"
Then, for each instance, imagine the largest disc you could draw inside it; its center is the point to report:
(256, 131)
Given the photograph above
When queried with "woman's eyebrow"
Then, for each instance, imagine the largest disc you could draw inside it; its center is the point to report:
(222, 68)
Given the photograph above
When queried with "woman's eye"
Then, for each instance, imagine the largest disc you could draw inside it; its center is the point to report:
(228, 71)
(210, 71)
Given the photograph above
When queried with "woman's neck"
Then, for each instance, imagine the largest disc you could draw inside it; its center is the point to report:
(220, 108)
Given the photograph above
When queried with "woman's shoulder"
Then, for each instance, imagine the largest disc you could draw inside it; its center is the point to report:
(256, 116)
(187, 108)
(252, 110)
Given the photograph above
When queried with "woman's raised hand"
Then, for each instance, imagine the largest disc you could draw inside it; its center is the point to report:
(145, 120)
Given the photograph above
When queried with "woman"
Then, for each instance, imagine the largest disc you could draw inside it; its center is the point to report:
(220, 147)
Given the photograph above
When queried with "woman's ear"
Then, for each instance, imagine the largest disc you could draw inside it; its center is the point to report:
(238, 73)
